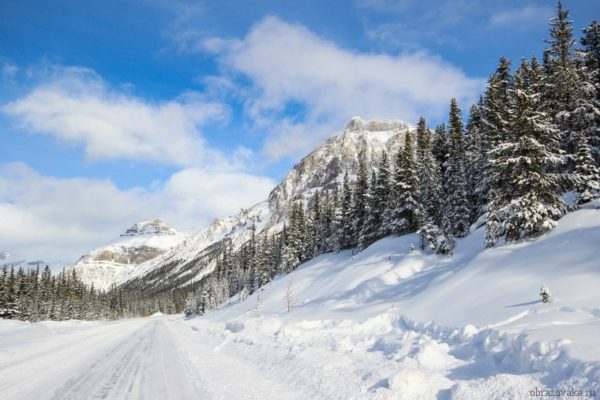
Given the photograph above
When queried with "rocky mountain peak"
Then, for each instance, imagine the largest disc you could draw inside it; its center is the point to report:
(357, 124)
(155, 227)
(342, 152)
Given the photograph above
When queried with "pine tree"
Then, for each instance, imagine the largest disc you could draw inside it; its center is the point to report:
(346, 229)
(531, 202)
(590, 71)
(428, 174)
(495, 126)
(586, 172)
(360, 202)
(383, 195)
(475, 162)
(439, 147)
(315, 227)
(562, 79)
(407, 209)
(457, 205)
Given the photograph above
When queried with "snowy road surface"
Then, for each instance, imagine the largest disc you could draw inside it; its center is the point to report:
(151, 358)
(261, 357)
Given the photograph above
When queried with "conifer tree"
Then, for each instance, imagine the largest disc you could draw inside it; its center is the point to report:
(360, 201)
(439, 147)
(407, 209)
(383, 197)
(495, 125)
(586, 172)
(590, 71)
(346, 226)
(372, 222)
(562, 79)
(457, 205)
(475, 162)
(531, 202)
(428, 174)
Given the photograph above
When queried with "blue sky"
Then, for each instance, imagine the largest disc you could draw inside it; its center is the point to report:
(118, 111)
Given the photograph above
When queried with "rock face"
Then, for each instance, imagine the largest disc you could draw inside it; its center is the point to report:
(324, 166)
(328, 162)
(113, 263)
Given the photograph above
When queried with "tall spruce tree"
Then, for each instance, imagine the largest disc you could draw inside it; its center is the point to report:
(346, 225)
(407, 209)
(360, 201)
(586, 172)
(457, 204)
(383, 193)
(475, 162)
(562, 80)
(439, 147)
(428, 173)
(495, 126)
(531, 202)
(590, 69)
(368, 232)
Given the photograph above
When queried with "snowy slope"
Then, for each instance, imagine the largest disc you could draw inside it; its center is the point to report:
(388, 323)
(322, 167)
(113, 263)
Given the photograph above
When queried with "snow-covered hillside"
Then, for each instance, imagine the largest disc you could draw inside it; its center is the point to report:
(115, 262)
(394, 323)
(322, 167)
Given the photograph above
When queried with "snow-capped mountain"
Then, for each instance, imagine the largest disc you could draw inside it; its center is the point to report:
(192, 259)
(113, 263)
(328, 162)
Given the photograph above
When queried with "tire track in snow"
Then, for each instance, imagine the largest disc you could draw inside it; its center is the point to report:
(143, 366)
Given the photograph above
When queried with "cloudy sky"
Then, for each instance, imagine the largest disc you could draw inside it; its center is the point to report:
(120, 111)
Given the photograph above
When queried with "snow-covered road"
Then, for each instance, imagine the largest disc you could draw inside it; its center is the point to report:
(260, 357)
(151, 358)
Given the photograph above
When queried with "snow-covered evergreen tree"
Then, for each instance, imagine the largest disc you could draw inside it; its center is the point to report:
(346, 226)
(383, 197)
(457, 201)
(407, 209)
(360, 202)
(586, 172)
(495, 129)
(439, 147)
(475, 162)
(372, 222)
(590, 72)
(531, 202)
(428, 174)
(562, 80)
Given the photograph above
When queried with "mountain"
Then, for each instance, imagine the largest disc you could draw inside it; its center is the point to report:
(113, 263)
(325, 165)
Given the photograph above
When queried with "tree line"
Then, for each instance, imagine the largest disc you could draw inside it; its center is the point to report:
(36, 296)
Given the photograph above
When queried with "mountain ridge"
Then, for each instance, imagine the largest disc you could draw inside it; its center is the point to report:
(322, 167)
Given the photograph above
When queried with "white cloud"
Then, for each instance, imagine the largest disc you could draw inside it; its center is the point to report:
(521, 17)
(8, 69)
(60, 219)
(289, 66)
(77, 106)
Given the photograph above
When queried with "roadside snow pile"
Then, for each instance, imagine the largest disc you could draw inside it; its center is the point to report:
(394, 323)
